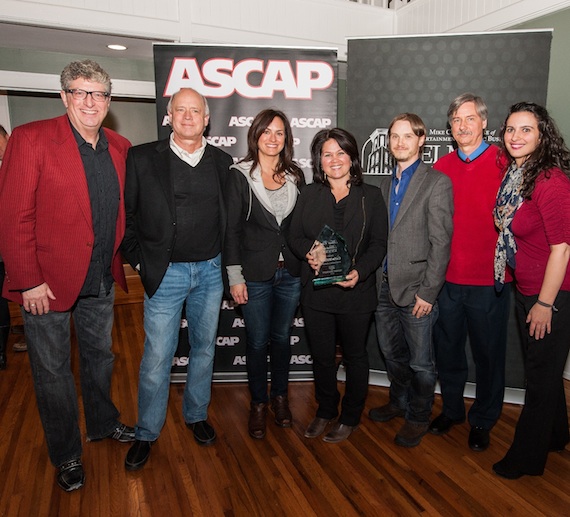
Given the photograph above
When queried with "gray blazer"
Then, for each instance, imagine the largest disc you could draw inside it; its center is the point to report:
(419, 241)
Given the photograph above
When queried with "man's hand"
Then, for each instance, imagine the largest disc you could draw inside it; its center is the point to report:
(36, 300)
(421, 308)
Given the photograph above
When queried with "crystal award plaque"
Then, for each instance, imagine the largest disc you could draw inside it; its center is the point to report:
(335, 257)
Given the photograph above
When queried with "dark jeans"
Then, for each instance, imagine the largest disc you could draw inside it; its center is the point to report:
(407, 345)
(268, 315)
(543, 423)
(49, 348)
(482, 313)
(352, 329)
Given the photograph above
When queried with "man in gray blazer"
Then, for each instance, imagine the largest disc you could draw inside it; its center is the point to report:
(420, 208)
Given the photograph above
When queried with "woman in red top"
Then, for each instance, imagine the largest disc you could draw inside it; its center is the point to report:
(533, 217)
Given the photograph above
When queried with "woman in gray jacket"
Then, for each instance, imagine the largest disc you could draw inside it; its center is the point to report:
(263, 273)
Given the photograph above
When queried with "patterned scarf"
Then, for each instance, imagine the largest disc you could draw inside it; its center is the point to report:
(509, 199)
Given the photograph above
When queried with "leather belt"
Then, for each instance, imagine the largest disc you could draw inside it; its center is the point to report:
(280, 264)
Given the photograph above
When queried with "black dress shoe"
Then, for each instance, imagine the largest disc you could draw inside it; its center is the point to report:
(501, 469)
(478, 439)
(442, 424)
(138, 455)
(122, 433)
(204, 433)
(71, 476)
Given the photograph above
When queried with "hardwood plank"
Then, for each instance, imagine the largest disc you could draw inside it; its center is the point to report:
(283, 475)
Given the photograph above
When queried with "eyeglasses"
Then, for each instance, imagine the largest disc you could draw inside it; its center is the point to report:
(80, 95)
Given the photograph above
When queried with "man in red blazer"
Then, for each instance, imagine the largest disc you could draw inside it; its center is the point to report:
(61, 222)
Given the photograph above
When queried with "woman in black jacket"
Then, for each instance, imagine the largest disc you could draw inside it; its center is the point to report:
(338, 198)
(263, 274)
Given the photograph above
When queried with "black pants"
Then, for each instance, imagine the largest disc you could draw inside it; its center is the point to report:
(543, 424)
(4, 309)
(323, 328)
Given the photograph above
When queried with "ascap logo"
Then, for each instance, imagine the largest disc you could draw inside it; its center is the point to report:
(221, 141)
(238, 322)
(304, 163)
(250, 78)
(239, 360)
(301, 359)
(301, 122)
(228, 305)
(311, 123)
(227, 340)
(299, 322)
(180, 361)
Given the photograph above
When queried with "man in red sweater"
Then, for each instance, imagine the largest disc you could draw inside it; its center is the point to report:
(469, 303)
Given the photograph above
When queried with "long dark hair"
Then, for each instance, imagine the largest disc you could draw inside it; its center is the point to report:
(551, 150)
(258, 126)
(347, 143)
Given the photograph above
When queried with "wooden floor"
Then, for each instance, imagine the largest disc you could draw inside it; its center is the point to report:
(283, 475)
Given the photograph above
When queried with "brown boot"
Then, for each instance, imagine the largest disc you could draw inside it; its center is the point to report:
(256, 424)
(280, 407)
(411, 434)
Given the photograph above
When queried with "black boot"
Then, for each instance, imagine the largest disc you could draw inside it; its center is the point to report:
(4, 332)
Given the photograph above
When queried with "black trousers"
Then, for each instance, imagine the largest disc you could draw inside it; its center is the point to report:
(4, 309)
(323, 329)
(543, 424)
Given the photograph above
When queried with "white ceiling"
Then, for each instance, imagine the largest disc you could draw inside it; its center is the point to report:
(72, 42)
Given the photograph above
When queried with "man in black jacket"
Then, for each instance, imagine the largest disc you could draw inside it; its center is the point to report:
(175, 230)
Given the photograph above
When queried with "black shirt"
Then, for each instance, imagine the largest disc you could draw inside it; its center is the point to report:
(104, 195)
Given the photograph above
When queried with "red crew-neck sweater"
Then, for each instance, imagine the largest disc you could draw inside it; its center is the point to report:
(475, 186)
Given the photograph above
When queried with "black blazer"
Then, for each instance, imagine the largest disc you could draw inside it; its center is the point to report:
(151, 208)
(254, 239)
(365, 230)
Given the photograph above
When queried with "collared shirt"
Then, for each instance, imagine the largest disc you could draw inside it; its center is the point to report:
(399, 187)
(475, 154)
(192, 159)
(104, 195)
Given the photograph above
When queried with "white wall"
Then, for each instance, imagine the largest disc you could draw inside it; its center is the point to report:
(439, 16)
(322, 23)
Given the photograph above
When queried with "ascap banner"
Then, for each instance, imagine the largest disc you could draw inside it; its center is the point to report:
(423, 74)
(238, 83)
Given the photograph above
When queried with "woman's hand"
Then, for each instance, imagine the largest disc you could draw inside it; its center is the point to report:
(539, 319)
(316, 256)
(239, 293)
(351, 280)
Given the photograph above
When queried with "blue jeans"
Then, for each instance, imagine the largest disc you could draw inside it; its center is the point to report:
(49, 348)
(482, 313)
(199, 284)
(268, 315)
(407, 345)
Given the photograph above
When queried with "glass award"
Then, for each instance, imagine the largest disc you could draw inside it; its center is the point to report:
(335, 257)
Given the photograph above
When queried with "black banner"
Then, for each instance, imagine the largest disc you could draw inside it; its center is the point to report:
(423, 74)
(239, 82)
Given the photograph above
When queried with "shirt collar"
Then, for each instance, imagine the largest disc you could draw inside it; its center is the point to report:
(475, 154)
(190, 158)
(101, 142)
(408, 171)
